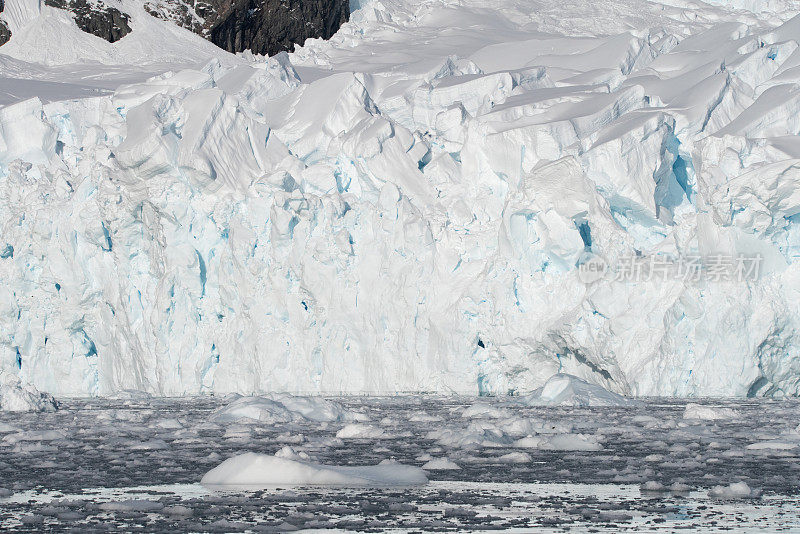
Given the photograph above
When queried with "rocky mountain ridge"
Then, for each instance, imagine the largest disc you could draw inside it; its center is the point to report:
(262, 26)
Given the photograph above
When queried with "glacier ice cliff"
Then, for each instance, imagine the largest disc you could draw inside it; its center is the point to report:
(407, 207)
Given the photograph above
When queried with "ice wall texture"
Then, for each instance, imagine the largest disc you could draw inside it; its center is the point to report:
(402, 208)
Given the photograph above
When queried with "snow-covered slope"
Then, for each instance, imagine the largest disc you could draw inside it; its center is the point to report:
(416, 205)
(48, 56)
(45, 34)
(39, 27)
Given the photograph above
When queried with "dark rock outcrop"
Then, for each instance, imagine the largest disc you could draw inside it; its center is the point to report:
(272, 26)
(262, 26)
(5, 32)
(108, 23)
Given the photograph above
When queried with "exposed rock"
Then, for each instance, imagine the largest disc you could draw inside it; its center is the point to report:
(5, 33)
(272, 26)
(192, 15)
(108, 23)
(263, 26)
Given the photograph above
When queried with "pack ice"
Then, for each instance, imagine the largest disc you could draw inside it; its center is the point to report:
(405, 207)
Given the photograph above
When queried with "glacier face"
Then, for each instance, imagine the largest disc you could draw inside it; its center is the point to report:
(405, 207)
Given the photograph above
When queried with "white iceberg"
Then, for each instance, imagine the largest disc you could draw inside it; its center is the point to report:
(440, 464)
(17, 396)
(560, 442)
(282, 409)
(568, 390)
(735, 490)
(362, 431)
(251, 469)
(515, 458)
(705, 412)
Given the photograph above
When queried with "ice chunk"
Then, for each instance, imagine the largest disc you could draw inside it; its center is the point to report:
(255, 409)
(177, 511)
(568, 390)
(290, 454)
(515, 458)
(771, 445)
(282, 409)
(35, 435)
(653, 486)
(560, 442)
(251, 469)
(708, 413)
(25, 134)
(440, 464)
(483, 410)
(735, 490)
(16, 396)
(318, 409)
(362, 431)
(471, 438)
(131, 395)
(132, 506)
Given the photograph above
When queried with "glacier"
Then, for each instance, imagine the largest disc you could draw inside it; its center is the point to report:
(405, 207)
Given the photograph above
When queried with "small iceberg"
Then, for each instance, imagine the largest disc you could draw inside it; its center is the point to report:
(251, 469)
(702, 412)
(18, 396)
(568, 390)
(736, 490)
(282, 409)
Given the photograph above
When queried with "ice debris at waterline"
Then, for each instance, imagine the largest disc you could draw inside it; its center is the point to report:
(707, 413)
(251, 469)
(16, 396)
(568, 390)
(282, 409)
(402, 208)
(736, 490)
